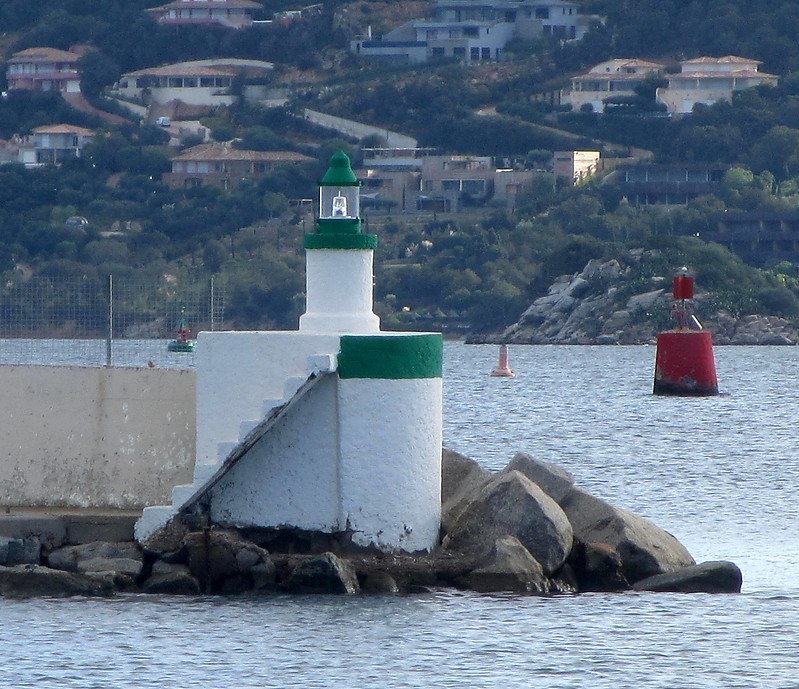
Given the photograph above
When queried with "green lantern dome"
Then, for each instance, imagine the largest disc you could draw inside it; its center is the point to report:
(340, 172)
(338, 225)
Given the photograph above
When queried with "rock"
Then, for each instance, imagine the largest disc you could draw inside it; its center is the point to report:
(512, 505)
(215, 555)
(379, 582)
(162, 567)
(264, 575)
(707, 577)
(554, 480)
(644, 548)
(462, 479)
(69, 557)
(325, 573)
(121, 565)
(25, 581)
(20, 551)
(176, 582)
(597, 567)
(510, 567)
(645, 301)
(596, 269)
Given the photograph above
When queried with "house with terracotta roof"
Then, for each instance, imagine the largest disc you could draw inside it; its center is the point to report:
(609, 79)
(234, 14)
(44, 69)
(52, 144)
(221, 165)
(708, 80)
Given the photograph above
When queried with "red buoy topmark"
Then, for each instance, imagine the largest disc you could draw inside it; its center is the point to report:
(684, 363)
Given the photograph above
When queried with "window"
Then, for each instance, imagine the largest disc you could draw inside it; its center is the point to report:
(459, 53)
(542, 12)
(474, 54)
(450, 185)
(471, 31)
(438, 52)
(485, 54)
(475, 187)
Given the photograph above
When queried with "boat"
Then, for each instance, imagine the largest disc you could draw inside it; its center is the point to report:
(182, 343)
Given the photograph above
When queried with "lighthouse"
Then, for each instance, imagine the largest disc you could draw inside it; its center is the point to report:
(335, 427)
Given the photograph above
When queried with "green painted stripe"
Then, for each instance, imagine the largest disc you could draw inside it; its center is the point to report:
(340, 241)
(338, 226)
(391, 356)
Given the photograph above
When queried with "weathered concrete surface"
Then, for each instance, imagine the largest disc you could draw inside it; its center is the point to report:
(94, 437)
(58, 526)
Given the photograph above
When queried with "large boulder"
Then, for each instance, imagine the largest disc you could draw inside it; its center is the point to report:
(121, 565)
(173, 579)
(462, 479)
(707, 577)
(25, 581)
(73, 558)
(216, 555)
(20, 551)
(554, 480)
(510, 567)
(325, 573)
(510, 504)
(644, 548)
(597, 567)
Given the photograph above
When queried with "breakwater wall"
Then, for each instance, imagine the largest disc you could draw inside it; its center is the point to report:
(94, 437)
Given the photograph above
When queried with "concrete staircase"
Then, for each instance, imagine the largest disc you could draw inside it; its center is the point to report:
(229, 452)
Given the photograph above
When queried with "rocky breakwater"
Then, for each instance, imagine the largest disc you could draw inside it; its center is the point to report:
(528, 528)
(610, 303)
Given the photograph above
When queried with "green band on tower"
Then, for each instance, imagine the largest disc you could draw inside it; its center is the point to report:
(340, 241)
(394, 357)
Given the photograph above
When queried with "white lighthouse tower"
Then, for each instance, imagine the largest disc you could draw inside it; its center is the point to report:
(335, 427)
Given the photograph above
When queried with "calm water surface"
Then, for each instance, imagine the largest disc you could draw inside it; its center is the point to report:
(720, 473)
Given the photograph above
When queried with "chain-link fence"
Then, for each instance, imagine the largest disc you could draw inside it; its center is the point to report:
(106, 322)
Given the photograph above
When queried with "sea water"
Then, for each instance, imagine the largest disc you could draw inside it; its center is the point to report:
(720, 473)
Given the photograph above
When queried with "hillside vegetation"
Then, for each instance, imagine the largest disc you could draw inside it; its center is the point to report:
(473, 271)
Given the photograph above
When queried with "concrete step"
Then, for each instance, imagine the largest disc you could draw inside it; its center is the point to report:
(321, 363)
(180, 494)
(152, 519)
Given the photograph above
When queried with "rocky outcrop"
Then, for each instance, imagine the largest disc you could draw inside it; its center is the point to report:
(607, 303)
(528, 528)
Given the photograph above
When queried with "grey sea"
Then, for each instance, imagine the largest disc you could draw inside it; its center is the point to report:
(720, 473)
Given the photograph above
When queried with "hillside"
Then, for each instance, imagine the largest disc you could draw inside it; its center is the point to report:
(472, 271)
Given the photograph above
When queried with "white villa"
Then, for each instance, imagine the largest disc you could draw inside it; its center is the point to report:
(474, 31)
(708, 80)
(44, 69)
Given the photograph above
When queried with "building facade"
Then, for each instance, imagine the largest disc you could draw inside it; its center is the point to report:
(708, 80)
(648, 183)
(53, 144)
(575, 166)
(474, 32)
(221, 165)
(44, 69)
(234, 14)
(617, 77)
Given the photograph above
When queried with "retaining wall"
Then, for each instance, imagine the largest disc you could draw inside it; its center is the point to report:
(94, 437)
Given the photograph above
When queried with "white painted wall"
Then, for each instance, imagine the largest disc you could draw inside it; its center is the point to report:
(94, 437)
(238, 371)
(289, 477)
(390, 453)
(339, 288)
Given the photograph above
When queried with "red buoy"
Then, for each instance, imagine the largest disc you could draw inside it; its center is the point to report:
(503, 370)
(684, 363)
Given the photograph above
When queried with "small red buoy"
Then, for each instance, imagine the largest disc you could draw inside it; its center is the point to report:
(684, 363)
(503, 370)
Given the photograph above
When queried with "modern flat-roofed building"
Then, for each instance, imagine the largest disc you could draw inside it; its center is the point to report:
(474, 31)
